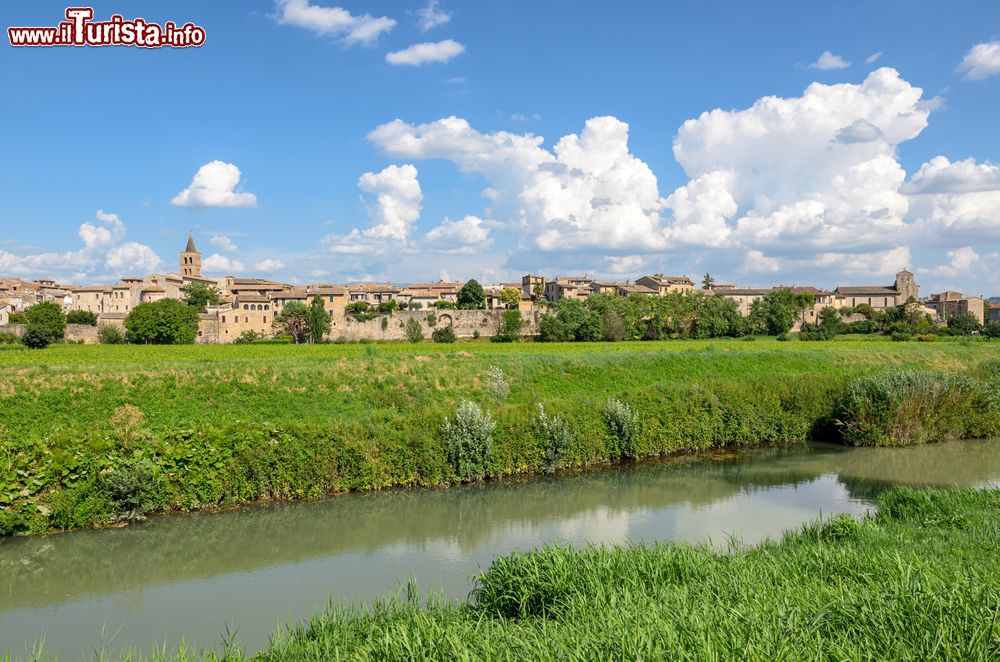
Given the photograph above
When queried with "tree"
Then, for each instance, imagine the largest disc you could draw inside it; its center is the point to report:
(319, 320)
(510, 297)
(707, 282)
(965, 324)
(200, 295)
(509, 328)
(163, 322)
(414, 332)
(471, 296)
(293, 320)
(992, 329)
(538, 291)
(46, 319)
(36, 338)
(17, 317)
(81, 317)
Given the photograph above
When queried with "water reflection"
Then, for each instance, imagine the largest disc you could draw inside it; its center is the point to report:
(186, 576)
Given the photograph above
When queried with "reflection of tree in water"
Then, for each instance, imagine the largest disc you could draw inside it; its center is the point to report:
(179, 547)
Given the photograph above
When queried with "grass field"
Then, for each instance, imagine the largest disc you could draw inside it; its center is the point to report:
(210, 425)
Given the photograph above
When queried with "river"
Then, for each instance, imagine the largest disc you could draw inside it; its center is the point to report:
(193, 576)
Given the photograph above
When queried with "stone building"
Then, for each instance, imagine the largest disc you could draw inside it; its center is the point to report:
(191, 259)
(880, 297)
(950, 303)
(666, 284)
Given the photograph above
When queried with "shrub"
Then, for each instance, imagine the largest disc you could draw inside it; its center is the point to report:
(903, 407)
(613, 327)
(431, 319)
(110, 335)
(469, 437)
(36, 338)
(443, 334)
(622, 427)
(248, 337)
(126, 421)
(388, 307)
(17, 317)
(8, 338)
(415, 305)
(444, 305)
(555, 436)
(414, 332)
(901, 336)
(132, 488)
(496, 383)
(992, 329)
(81, 317)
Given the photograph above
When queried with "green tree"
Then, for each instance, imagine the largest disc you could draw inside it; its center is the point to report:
(964, 324)
(293, 320)
(81, 317)
(471, 296)
(538, 291)
(707, 282)
(319, 320)
(163, 322)
(509, 328)
(110, 335)
(201, 295)
(775, 313)
(35, 337)
(510, 297)
(17, 317)
(46, 319)
(414, 332)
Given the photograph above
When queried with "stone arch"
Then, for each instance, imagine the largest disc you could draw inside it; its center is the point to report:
(445, 318)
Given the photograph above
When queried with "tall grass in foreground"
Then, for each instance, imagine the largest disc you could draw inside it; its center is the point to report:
(918, 580)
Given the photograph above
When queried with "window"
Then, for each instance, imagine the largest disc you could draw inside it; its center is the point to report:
(265, 319)
(223, 319)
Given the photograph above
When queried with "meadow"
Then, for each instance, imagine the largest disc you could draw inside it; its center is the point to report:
(92, 435)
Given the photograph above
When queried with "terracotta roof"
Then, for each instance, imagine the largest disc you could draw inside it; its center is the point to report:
(251, 298)
(746, 292)
(326, 290)
(92, 288)
(371, 287)
(153, 288)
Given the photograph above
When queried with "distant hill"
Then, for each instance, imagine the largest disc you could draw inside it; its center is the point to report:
(993, 300)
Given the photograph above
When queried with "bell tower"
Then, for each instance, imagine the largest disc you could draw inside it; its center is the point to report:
(191, 259)
(906, 286)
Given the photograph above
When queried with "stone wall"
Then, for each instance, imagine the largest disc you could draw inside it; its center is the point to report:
(392, 327)
(74, 332)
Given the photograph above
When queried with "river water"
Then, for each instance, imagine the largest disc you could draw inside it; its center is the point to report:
(191, 577)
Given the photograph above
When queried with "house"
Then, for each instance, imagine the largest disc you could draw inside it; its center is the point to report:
(666, 284)
(427, 294)
(745, 297)
(5, 311)
(371, 293)
(532, 286)
(571, 287)
(950, 303)
(877, 296)
(494, 302)
(994, 312)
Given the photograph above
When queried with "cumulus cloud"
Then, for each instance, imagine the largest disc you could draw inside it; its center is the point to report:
(333, 21)
(392, 213)
(224, 242)
(939, 175)
(221, 265)
(215, 184)
(960, 263)
(103, 255)
(430, 17)
(269, 265)
(466, 235)
(426, 53)
(830, 61)
(589, 192)
(756, 262)
(982, 61)
(876, 263)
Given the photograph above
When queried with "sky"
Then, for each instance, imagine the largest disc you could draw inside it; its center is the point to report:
(340, 141)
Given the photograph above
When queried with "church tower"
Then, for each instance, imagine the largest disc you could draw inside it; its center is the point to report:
(191, 259)
(906, 286)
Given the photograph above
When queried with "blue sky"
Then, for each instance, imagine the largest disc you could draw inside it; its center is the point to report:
(347, 166)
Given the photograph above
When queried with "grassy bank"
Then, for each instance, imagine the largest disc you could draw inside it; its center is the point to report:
(918, 580)
(89, 435)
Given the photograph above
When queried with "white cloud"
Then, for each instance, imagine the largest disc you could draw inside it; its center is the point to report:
(877, 263)
(397, 202)
(430, 17)
(215, 185)
(111, 231)
(518, 117)
(132, 259)
(829, 61)
(224, 242)
(222, 265)
(426, 53)
(960, 263)
(333, 21)
(467, 235)
(624, 264)
(269, 265)
(939, 175)
(756, 262)
(589, 192)
(982, 61)
(955, 203)
(873, 58)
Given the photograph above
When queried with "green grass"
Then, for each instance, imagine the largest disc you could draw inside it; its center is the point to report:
(230, 424)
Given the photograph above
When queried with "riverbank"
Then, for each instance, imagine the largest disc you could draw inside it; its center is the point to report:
(96, 434)
(917, 580)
